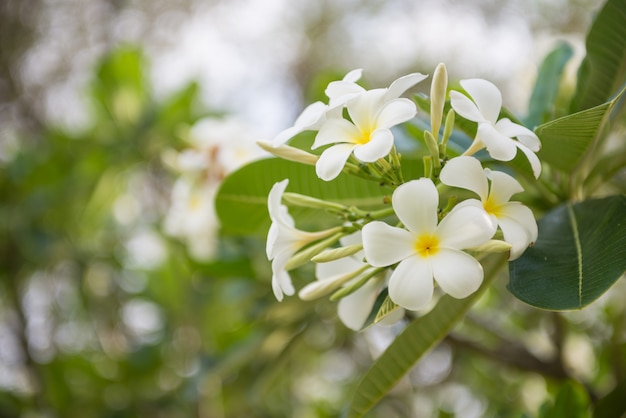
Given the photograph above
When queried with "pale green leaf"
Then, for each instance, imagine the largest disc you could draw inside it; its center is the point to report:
(241, 202)
(579, 254)
(418, 337)
(385, 309)
(565, 140)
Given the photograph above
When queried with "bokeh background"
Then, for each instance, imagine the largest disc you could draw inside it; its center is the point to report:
(118, 295)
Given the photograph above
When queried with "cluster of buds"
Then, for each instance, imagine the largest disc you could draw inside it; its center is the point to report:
(415, 242)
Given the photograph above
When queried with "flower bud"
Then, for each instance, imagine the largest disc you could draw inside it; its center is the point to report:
(324, 287)
(287, 152)
(494, 246)
(438, 97)
(297, 199)
(305, 255)
(337, 253)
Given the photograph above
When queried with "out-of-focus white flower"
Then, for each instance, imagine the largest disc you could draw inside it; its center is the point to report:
(493, 134)
(354, 309)
(284, 240)
(218, 146)
(516, 221)
(368, 133)
(191, 217)
(426, 250)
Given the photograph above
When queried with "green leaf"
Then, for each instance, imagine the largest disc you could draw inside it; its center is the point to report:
(241, 202)
(565, 140)
(603, 71)
(541, 104)
(387, 307)
(418, 337)
(579, 254)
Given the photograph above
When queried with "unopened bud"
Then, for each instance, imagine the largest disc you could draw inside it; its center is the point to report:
(494, 246)
(297, 199)
(438, 97)
(304, 256)
(290, 153)
(321, 288)
(337, 253)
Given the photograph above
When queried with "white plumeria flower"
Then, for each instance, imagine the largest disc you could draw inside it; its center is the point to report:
(496, 135)
(426, 250)
(284, 240)
(191, 217)
(354, 309)
(373, 113)
(314, 115)
(516, 221)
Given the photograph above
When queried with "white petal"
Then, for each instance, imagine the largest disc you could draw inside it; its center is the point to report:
(457, 273)
(532, 159)
(311, 116)
(411, 283)
(274, 199)
(272, 234)
(518, 227)
(503, 187)
(285, 136)
(395, 112)
(354, 309)
(339, 92)
(463, 106)
(364, 109)
(415, 203)
(385, 245)
(354, 75)
(379, 145)
(336, 130)
(402, 84)
(332, 160)
(281, 281)
(508, 128)
(465, 227)
(486, 95)
(466, 173)
(531, 141)
(500, 147)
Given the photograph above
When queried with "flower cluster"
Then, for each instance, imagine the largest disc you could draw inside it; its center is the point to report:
(429, 232)
(211, 155)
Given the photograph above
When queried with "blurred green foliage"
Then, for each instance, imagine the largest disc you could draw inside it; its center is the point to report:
(90, 327)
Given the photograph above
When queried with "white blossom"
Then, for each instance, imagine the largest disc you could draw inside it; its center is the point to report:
(426, 250)
(493, 134)
(368, 132)
(516, 221)
(284, 240)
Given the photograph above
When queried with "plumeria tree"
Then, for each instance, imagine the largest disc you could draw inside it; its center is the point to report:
(411, 205)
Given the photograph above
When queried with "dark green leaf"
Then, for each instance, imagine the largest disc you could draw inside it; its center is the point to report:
(603, 71)
(541, 104)
(419, 337)
(579, 254)
(565, 140)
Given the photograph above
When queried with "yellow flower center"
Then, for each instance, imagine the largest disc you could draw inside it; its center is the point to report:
(492, 207)
(427, 245)
(194, 202)
(364, 137)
